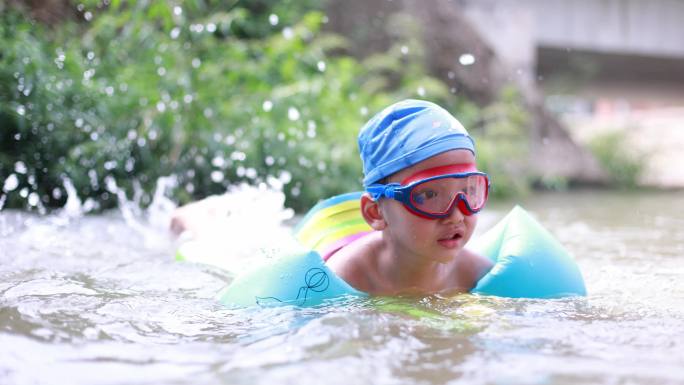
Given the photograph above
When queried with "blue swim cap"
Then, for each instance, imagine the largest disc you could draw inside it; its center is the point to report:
(406, 133)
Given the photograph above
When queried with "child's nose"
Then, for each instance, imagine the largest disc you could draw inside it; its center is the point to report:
(455, 214)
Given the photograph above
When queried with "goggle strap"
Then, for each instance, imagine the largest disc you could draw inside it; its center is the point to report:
(378, 191)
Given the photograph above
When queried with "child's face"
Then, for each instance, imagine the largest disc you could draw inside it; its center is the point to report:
(436, 239)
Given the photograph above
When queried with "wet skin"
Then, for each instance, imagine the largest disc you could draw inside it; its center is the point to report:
(409, 254)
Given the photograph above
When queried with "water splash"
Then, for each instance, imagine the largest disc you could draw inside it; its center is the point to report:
(73, 207)
(247, 223)
(160, 210)
(152, 224)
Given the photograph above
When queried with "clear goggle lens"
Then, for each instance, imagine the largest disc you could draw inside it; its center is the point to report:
(437, 196)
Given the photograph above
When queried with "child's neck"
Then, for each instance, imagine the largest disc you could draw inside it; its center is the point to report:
(408, 273)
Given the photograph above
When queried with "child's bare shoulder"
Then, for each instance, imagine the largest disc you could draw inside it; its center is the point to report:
(355, 263)
(472, 267)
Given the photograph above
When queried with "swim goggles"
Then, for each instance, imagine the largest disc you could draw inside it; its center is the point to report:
(433, 193)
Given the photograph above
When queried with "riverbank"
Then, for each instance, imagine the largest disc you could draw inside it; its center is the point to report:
(654, 137)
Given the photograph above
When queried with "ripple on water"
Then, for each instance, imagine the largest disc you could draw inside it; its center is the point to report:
(94, 301)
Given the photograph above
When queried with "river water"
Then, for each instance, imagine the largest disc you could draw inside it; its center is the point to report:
(99, 299)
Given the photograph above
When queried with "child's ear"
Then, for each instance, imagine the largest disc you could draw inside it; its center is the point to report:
(371, 212)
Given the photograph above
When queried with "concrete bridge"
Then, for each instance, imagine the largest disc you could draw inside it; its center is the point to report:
(600, 65)
(519, 30)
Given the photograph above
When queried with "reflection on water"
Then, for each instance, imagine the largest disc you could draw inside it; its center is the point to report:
(94, 300)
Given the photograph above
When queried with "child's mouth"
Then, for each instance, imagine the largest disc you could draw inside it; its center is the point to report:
(451, 241)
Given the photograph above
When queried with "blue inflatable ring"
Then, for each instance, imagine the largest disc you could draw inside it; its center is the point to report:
(528, 261)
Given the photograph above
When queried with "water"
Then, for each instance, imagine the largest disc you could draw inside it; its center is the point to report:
(98, 299)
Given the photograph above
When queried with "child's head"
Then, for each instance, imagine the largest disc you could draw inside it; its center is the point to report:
(418, 154)
(406, 133)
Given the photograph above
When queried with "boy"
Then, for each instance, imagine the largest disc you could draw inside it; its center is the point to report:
(422, 193)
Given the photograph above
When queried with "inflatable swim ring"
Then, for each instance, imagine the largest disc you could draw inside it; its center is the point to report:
(528, 261)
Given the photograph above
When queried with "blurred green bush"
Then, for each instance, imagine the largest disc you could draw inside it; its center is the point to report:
(623, 163)
(210, 92)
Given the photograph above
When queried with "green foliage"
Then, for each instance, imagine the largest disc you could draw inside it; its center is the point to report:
(212, 92)
(624, 165)
(503, 144)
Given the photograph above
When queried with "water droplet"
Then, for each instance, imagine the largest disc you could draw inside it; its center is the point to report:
(110, 183)
(196, 62)
(110, 165)
(293, 113)
(288, 33)
(211, 27)
(33, 199)
(421, 91)
(285, 176)
(238, 156)
(177, 10)
(273, 19)
(161, 106)
(240, 171)
(218, 161)
(175, 33)
(90, 55)
(208, 112)
(267, 106)
(251, 173)
(87, 74)
(20, 167)
(311, 131)
(404, 50)
(109, 90)
(363, 110)
(21, 110)
(11, 183)
(161, 71)
(321, 66)
(466, 59)
(88, 16)
(217, 176)
(451, 74)
(187, 98)
(269, 160)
